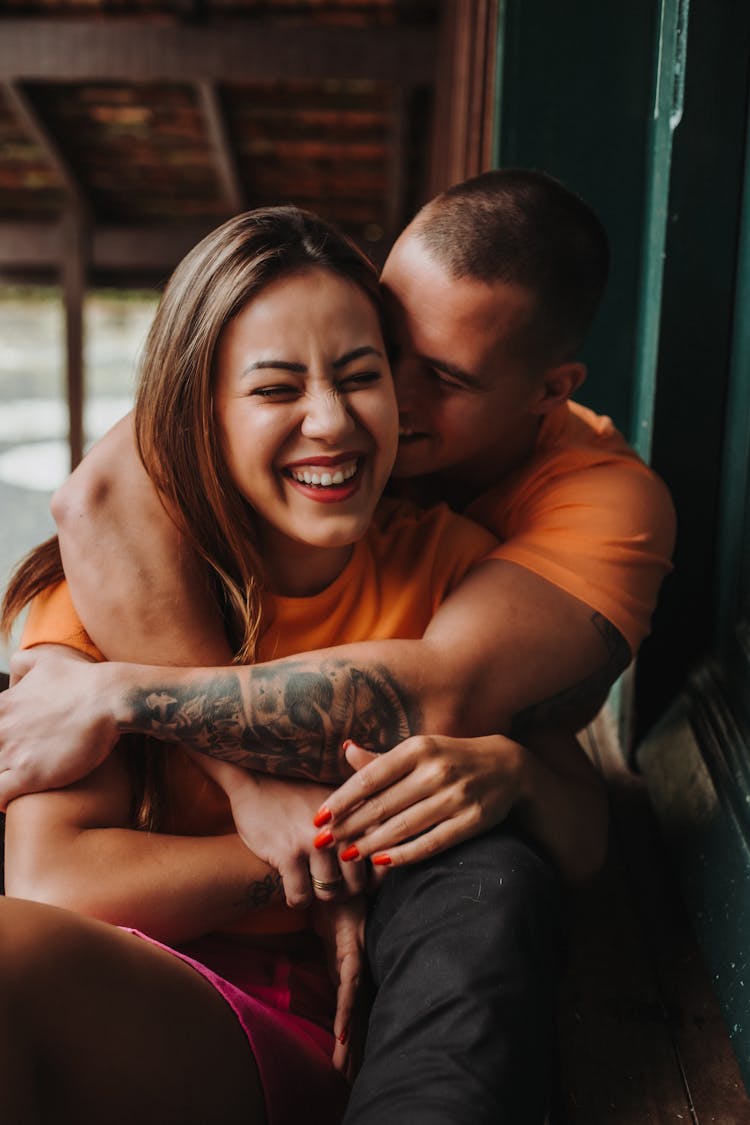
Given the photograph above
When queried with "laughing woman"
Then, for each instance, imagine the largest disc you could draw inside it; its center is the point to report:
(148, 966)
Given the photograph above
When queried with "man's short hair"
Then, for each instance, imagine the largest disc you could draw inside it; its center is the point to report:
(521, 226)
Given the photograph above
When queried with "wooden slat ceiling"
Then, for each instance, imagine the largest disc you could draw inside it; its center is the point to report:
(187, 111)
(340, 12)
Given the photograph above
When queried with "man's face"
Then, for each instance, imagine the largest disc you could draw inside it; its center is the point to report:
(467, 401)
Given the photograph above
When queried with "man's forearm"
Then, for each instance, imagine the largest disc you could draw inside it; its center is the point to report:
(289, 718)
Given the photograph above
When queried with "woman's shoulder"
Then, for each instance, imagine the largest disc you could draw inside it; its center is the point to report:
(53, 620)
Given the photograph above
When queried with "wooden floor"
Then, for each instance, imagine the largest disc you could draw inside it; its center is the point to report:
(642, 1040)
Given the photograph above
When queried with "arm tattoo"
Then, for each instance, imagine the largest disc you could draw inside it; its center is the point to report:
(584, 697)
(260, 893)
(291, 718)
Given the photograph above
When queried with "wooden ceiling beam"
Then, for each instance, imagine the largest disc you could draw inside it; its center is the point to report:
(27, 247)
(225, 159)
(30, 120)
(138, 51)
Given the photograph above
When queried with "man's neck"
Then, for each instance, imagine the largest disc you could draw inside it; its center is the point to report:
(435, 489)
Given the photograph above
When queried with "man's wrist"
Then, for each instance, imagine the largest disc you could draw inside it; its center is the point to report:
(121, 686)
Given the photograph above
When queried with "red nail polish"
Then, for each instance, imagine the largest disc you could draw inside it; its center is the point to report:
(352, 852)
(382, 860)
(322, 817)
(323, 839)
(346, 744)
(344, 1036)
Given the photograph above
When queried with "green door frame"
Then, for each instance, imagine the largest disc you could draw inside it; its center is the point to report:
(670, 58)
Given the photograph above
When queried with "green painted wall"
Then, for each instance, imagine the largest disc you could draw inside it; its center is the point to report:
(576, 103)
(669, 358)
(577, 97)
(696, 334)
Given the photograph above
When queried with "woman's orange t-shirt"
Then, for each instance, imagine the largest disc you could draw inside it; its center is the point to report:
(398, 575)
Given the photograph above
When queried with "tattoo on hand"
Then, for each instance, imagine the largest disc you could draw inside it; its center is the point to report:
(294, 721)
(589, 692)
(260, 893)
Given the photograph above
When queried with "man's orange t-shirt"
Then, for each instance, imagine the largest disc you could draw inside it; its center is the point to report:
(585, 513)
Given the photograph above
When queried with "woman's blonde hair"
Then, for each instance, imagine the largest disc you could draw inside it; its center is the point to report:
(174, 415)
(177, 435)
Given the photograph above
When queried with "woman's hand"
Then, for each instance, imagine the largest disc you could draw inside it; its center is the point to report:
(272, 815)
(341, 927)
(424, 796)
(432, 792)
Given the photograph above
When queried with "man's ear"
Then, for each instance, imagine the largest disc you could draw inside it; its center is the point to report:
(558, 385)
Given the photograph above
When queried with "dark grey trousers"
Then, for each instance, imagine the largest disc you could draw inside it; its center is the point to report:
(464, 951)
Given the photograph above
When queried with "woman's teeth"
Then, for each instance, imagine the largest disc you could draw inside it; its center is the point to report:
(325, 478)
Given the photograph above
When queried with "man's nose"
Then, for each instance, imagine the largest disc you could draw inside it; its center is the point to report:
(327, 417)
(408, 380)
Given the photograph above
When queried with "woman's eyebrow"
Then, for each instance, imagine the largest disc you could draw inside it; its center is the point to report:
(279, 364)
(301, 369)
(356, 353)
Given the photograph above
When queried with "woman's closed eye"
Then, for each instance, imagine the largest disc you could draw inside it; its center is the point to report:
(276, 392)
(358, 380)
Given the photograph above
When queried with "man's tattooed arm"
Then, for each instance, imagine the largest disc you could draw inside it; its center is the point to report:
(288, 719)
(577, 705)
(291, 718)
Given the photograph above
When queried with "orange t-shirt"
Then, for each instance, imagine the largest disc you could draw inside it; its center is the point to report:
(408, 562)
(586, 514)
(397, 576)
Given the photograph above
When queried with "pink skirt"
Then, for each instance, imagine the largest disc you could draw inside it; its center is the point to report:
(284, 1000)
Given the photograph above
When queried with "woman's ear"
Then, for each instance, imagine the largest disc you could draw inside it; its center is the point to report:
(558, 385)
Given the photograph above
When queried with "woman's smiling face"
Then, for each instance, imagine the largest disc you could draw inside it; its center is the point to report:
(308, 421)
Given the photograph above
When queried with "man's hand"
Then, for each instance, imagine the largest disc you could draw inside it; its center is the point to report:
(424, 796)
(272, 815)
(53, 729)
(341, 927)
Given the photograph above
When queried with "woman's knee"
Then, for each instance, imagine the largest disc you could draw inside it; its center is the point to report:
(27, 933)
(48, 951)
(77, 990)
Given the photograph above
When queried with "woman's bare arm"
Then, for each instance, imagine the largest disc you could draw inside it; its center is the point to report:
(73, 848)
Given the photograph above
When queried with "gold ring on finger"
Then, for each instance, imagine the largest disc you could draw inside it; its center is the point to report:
(321, 885)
